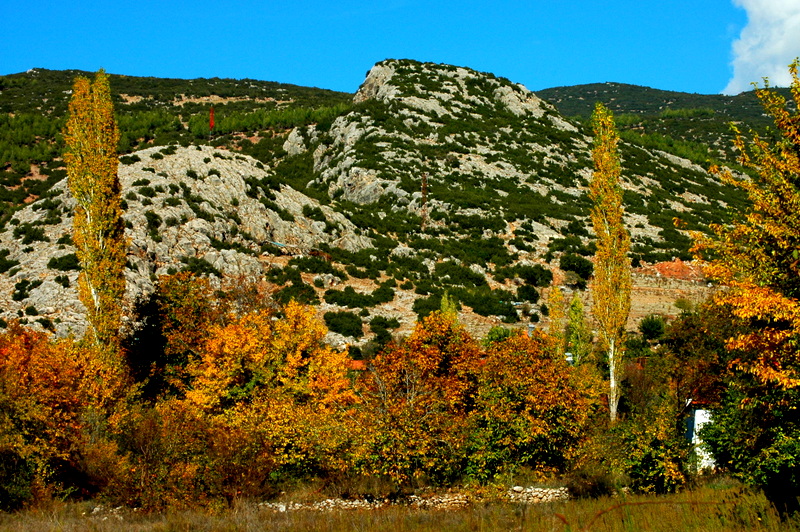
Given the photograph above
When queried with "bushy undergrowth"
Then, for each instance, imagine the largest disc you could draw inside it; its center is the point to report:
(223, 395)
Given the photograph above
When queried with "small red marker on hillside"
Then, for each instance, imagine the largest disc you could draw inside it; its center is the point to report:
(211, 119)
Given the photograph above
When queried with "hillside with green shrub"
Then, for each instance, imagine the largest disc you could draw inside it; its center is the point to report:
(694, 126)
(150, 111)
(334, 297)
(461, 182)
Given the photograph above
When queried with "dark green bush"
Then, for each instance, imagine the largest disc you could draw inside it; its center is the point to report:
(348, 298)
(30, 233)
(451, 273)
(345, 323)
(652, 327)
(300, 292)
(200, 266)
(315, 265)
(6, 263)
(64, 263)
(22, 289)
(147, 192)
(536, 275)
(16, 480)
(384, 293)
(575, 263)
(425, 305)
(528, 293)
(380, 326)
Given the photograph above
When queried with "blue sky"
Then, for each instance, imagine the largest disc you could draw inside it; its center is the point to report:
(684, 45)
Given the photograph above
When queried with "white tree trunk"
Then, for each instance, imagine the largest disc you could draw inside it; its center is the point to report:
(613, 389)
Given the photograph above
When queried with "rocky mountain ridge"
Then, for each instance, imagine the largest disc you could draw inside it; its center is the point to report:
(437, 179)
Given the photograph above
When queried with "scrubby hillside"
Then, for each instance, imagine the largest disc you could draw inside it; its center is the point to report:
(433, 179)
(695, 126)
(197, 208)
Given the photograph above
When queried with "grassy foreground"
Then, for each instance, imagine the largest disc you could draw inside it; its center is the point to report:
(706, 509)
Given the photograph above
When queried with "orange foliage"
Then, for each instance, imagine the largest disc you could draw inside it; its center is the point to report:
(437, 406)
(55, 395)
(757, 257)
(529, 408)
(415, 397)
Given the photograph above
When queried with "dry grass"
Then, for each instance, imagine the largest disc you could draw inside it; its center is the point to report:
(707, 509)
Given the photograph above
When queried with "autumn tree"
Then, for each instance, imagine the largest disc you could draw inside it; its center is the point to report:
(757, 259)
(414, 402)
(91, 137)
(530, 409)
(56, 400)
(578, 337)
(270, 376)
(611, 284)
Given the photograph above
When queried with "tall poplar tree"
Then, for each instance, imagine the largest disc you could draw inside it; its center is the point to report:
(91, 137)
(611, 284)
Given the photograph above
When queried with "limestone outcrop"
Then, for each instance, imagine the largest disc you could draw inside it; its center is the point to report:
(181, 204)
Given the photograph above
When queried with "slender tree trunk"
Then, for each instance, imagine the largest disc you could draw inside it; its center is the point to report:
(613, 386)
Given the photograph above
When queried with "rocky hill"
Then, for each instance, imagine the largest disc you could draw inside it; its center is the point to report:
(185, 208)
(435, 179)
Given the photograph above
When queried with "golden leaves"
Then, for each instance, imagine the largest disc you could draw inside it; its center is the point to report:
(91, 138)
(261, 351)
(757, 257)
(611, 283)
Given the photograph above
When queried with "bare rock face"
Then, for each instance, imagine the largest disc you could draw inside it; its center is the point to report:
(377, 84)
(425, 108)
(180, 204)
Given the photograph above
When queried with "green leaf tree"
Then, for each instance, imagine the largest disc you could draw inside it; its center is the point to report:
(611, 284)
(578, 337)
(556, 315)
(91, 137)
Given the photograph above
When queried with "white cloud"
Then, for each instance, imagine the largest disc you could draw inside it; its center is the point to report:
(767, 44)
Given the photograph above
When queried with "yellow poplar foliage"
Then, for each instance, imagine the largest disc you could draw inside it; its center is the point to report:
(91, 137)
(611, 283)
(260, 351)
(758, 257)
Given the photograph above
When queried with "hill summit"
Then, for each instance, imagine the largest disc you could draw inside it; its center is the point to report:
(435, 179)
